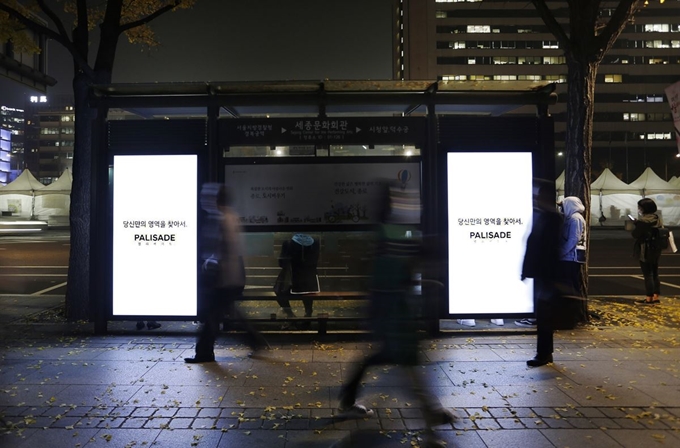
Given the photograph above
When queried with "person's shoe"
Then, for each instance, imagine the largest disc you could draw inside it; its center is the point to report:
(199, 359)
(439, 417)
(499, 322)
(648, 301)
(526, 323)
(140, 324)
(355, 411)
(152, 325)
(538, 361)
(467, 322)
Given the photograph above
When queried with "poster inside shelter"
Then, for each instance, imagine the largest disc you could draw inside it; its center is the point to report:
(489, 220)
(322, 194)
(154, 235)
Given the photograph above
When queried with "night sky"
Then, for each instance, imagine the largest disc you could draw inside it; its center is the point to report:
(253, 40)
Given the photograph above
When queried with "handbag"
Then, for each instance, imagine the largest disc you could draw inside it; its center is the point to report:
(283, 281)
(672, 248)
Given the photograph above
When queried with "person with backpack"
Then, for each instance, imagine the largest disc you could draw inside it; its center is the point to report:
(647, 248)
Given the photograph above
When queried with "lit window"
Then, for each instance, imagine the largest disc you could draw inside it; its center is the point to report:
(633, 117)
(472, 61)
(504, 60)
(505, 78)
(613, 78)
(454, 78)
(529, 77)
(550, 44)
(478, 29)
(657, 28)
(551, 60)
(675, 44)
(440, 14)
(457, 45)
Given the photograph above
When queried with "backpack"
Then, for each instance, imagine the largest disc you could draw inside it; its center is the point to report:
(659, 238)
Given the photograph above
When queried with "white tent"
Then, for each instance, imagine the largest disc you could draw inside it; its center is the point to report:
(55, 198)
(19, 195)
(611, 199)
(559, 184)
(649, 183)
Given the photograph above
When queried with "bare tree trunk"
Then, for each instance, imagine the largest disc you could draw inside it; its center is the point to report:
(578, 143)
(77, 291)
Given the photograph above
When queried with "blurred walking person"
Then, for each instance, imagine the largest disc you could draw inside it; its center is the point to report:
(397, 251)
(541, 263)
(222, 272)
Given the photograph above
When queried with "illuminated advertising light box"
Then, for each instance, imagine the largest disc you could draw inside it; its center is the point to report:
(154, 235)
(489, 220)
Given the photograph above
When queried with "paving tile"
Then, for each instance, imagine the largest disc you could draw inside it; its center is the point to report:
(635, 438)
(519, 437)
(182, 438)
(51, 438)
(269, 439)
(580, 438)
(510, 423)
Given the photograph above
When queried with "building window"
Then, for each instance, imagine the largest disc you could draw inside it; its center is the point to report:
(529, 77)
(479, 29)
(472, 61)
(653, 99)
(659, 136)
(505, 60)
(633, 117)
(552, 60)
(454, 78)
(480, 78)
(556, 78)
(440, 14)
(657, 28)
(613, 78)
(550, 44)
(531, 60)
(657, 44)
(457, 45)
(505, 77)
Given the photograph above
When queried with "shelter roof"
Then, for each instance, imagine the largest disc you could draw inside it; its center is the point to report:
(328, 97)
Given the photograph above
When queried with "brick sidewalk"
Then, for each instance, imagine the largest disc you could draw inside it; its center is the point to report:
(614, 385)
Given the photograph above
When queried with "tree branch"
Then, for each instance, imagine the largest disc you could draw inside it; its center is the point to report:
(623, 13)
(552, 24)
(149, 18)
(41, 29)
(57, 22)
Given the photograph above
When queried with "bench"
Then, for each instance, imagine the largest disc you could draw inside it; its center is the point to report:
(321, 319)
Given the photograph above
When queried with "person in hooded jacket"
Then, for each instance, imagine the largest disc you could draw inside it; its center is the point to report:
(573, 235)
(301, 253)
(645, 250)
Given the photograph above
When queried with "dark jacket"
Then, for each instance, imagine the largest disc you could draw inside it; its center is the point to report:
(645, 248)
(302, 251)
(541, 259)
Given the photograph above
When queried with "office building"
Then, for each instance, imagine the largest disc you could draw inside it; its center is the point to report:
(12, 120)
(492, 41)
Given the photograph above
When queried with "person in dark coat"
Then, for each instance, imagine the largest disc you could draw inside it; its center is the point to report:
(223, 271)
(541, 262)
(646, 251)
(301, 255)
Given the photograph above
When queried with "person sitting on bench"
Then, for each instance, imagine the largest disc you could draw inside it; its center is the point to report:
(301, 253)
